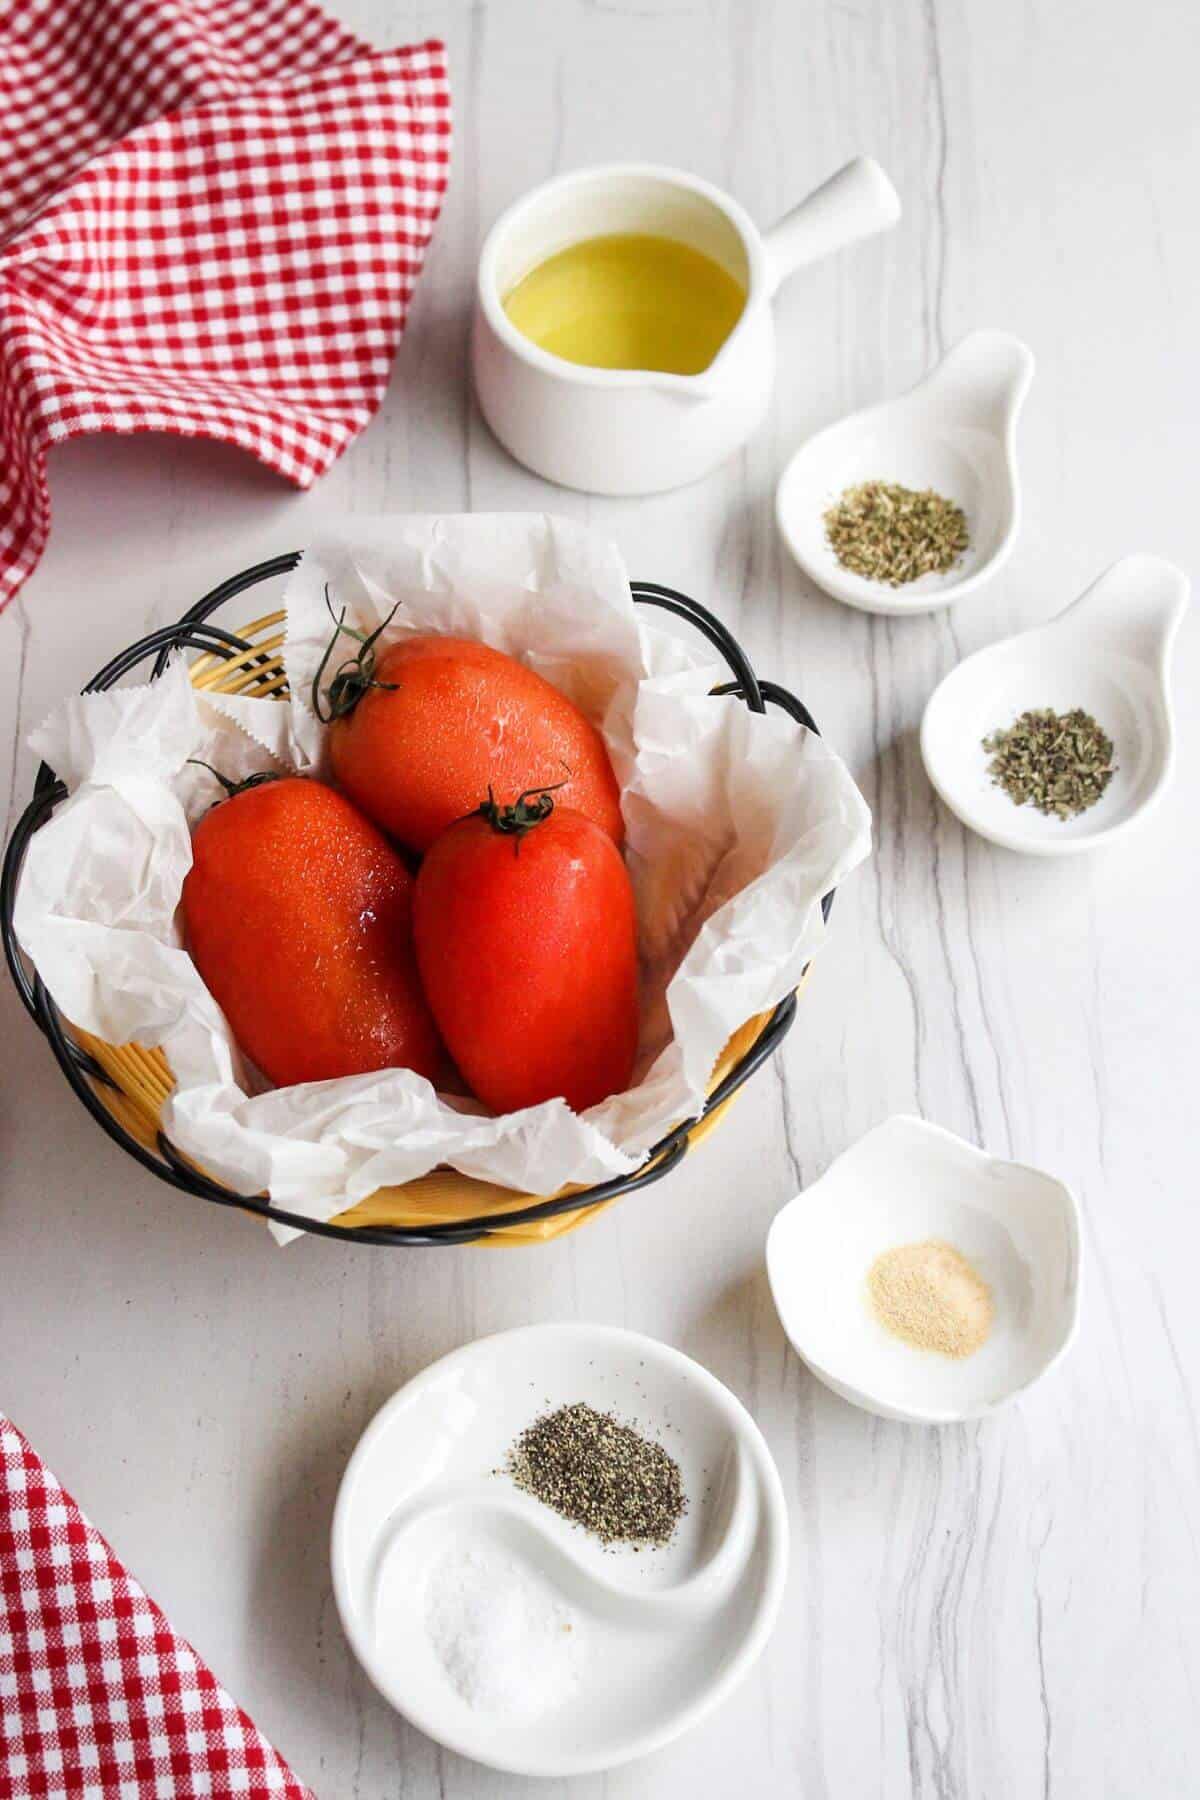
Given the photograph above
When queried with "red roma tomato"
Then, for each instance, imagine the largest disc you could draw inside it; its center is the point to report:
(527, 945)
(298, 915)
(442, 720)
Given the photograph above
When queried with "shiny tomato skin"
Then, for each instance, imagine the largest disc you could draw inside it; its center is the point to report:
(528, 955)
(298, 914)
(456, 718)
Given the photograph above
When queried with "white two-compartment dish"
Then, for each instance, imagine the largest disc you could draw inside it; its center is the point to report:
(661, 1635)
(906, 1182)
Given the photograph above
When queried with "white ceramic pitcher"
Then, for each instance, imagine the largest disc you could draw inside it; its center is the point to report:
(635, 431)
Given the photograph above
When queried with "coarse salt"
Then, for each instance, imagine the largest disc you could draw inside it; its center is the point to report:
(507, 1643)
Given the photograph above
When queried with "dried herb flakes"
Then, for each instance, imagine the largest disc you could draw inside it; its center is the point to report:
(895, 534)
(1059, 762)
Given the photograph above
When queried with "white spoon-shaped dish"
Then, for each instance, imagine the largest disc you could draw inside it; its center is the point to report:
(1110, 653)
(956, 433)
(903, 1183)
(661, 1635)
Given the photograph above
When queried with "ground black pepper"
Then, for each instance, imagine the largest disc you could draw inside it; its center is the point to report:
(593, 1470)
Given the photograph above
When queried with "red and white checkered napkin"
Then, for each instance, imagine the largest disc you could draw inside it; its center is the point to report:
(212, 216)
(99, 1700)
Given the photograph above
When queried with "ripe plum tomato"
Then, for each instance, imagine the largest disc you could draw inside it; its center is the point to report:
(418, 735)
(527, 945)
(298, 914)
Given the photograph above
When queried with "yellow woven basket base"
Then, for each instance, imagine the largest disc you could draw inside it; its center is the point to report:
(143, 1077)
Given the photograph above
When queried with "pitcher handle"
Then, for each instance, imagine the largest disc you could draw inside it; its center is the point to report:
(855, 203)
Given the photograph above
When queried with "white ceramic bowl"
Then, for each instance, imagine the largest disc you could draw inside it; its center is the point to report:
(954, 432)
(903, 1183)
(663, 1635)
(1110, 653)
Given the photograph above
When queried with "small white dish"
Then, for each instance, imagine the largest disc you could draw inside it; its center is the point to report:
(954, 432)
(903, 1183)
(663, 1634)
(1110, 653)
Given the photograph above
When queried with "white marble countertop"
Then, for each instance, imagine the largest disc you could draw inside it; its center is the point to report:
(993, 1610)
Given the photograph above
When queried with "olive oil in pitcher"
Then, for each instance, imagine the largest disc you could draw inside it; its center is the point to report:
(628, 301)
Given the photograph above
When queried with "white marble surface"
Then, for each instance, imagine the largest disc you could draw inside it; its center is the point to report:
(1001, 1610)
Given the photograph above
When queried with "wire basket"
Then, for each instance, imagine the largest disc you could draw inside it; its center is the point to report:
(124, 1086)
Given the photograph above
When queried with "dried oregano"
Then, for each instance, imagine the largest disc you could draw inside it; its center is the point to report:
(895, 534)
(1059, 762)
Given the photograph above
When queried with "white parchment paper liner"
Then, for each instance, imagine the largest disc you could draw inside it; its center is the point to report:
(737, 824)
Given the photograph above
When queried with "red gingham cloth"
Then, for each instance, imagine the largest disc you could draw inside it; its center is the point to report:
(99, 1700)
(212, 216)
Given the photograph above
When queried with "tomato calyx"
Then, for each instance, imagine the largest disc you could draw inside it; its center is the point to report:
(531, 808)
(354, 675)
(233, 788)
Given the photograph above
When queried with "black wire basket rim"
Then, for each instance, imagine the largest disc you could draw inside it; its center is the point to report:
(194, 631)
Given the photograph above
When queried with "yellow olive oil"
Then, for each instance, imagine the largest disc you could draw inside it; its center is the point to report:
(628, 302)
